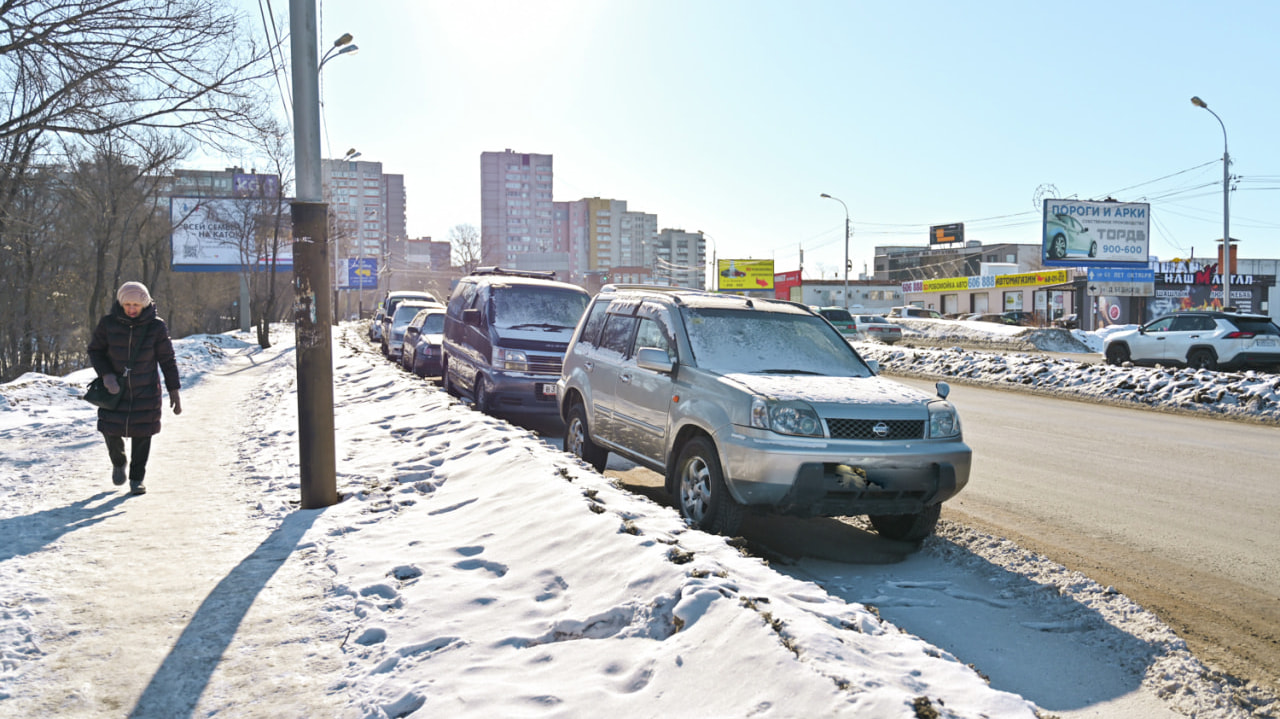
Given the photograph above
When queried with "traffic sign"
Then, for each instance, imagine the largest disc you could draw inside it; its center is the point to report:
(362, 273)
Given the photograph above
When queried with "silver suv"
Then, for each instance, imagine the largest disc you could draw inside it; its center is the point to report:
(755, 403)
(1201, 340)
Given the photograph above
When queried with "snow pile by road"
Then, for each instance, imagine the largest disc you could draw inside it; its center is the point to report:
(1248, 395)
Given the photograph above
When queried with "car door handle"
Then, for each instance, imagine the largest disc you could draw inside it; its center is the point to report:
(588, 366)
(625, 377)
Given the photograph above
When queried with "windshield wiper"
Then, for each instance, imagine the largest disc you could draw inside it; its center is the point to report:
(787, 371)
(542, 325)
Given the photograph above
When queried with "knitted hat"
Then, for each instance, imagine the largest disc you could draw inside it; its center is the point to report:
(133, 292)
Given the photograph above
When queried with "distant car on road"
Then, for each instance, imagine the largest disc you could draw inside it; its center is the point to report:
(839, 318)
(393, 330)
(1068, 322)
(911, 311)
(875, 327)
(1202, 340)
(1021, 318)
(1068, 238)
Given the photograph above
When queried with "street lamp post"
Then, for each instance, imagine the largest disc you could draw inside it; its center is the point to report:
(846, 247)
(1226, 207)
(715, 270)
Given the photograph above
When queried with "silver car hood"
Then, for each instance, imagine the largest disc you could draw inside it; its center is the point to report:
(832, 390)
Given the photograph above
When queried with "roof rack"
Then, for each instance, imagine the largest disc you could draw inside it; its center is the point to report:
(532, 274)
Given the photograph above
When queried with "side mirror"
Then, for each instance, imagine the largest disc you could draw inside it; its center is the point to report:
(411, 330)
(654, 360)
(944, 389)
(471, 317)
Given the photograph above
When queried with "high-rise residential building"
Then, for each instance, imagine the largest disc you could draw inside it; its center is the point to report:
(682, 258)
(517, 215)
(367, 206)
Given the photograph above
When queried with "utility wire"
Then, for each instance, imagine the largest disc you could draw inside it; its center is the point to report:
(274, 45)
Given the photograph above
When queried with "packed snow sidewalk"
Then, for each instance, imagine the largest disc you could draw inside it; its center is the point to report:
(471, 571)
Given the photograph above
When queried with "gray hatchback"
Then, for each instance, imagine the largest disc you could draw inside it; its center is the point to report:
(751, 403)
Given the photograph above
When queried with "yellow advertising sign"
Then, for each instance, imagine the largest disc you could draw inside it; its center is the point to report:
(947, 284)
(744, 274)
(1032, 278)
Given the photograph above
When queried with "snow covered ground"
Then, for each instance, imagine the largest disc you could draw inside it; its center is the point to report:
(472, 570)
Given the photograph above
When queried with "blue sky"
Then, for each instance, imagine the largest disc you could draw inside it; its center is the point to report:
(733, 117)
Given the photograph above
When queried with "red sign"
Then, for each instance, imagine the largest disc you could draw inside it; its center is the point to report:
(783, 282)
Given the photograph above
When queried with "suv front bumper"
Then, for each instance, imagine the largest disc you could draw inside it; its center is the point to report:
(822, 477)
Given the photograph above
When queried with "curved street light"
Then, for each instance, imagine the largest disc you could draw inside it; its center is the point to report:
(1226, 207)
(846, 247)
(344, 43)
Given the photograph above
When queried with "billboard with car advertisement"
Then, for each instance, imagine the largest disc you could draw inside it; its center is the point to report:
(1084, 233)
(744, 274)
(220, 234)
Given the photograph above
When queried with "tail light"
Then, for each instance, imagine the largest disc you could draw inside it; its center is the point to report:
(1238, 335)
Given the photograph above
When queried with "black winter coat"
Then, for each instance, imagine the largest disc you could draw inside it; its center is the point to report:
(138, 414)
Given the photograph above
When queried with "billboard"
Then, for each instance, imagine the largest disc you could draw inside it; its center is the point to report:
(946, 235)
(222, 234)
(358, 273)
(744, 274)
(1084, 233)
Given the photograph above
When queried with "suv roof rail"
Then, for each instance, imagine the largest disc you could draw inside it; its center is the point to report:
(531, 274)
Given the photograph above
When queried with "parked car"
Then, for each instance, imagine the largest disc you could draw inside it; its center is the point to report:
(913, 311)
(505, 334)
(420, 351)
(839, 318)
(755, 403)
(1021, 318)
(1203, 340)
(375, 325)
(875, 327)
(1067, 322)
(1067, 237)
(389, 303)
(393, 329)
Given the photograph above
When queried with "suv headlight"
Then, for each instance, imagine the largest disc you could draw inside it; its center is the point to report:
(792, 417)
(514, 360)
(943, 420)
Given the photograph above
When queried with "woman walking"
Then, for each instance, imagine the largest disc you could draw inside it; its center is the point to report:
(132, 329)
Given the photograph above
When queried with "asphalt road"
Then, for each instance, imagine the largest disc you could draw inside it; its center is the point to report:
(1178, 513)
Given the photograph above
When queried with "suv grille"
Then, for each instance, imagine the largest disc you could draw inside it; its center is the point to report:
(542, 364)
(866, 428)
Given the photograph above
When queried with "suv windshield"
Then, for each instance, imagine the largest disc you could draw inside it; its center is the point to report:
(538, 307)
(730, 341)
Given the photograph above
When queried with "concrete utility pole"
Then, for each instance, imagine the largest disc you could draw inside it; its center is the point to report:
(312, 301)
(1225, 270)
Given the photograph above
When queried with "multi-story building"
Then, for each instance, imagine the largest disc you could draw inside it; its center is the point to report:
(681, 258)
(367, 209)
(907, 263)
(517, 216)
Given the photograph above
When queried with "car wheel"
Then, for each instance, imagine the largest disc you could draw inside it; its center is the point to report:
(907, 527)
(483, 394)
(1093, 249)
(1202, 359)
(704, 498)
(1117, 353)
(1058, 247)
(577, 440)
(445, 382)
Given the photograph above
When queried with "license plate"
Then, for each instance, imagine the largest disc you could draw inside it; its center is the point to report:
(1264, 343)
(547, 389)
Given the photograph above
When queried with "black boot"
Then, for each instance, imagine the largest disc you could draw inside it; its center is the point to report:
(137, 487)
(117, 475)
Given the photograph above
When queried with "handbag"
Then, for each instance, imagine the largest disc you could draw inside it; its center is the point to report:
(98, 396)
(97, 393)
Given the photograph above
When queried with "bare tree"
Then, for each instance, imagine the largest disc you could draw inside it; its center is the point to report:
(89, 67)
(464, 242)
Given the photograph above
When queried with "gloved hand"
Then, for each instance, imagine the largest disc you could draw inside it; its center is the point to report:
(175, 402)
(113, 384)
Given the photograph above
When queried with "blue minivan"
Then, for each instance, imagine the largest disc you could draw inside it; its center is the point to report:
(505, 335)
